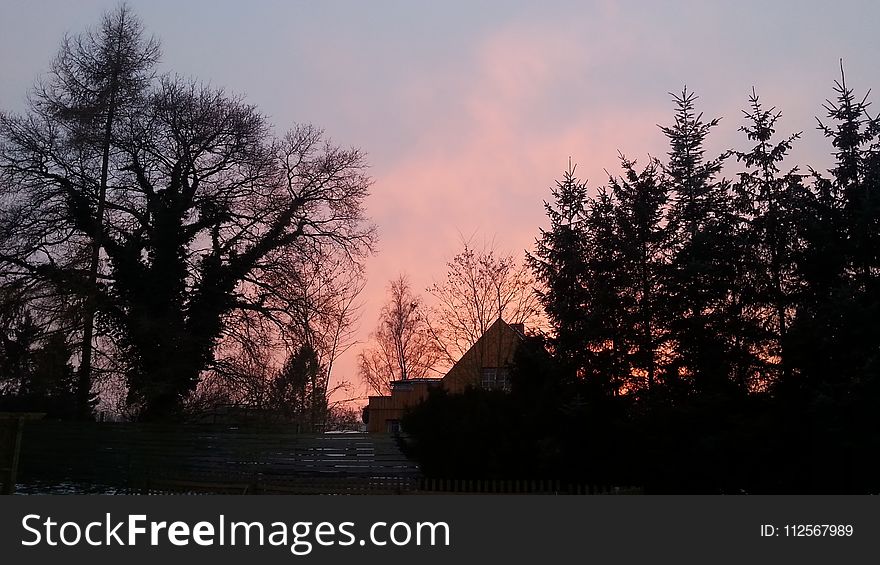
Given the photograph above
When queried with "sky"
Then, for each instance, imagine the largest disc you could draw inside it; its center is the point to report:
(469, 110)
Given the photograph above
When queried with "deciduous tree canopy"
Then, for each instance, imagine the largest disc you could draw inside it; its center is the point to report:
(202, 213)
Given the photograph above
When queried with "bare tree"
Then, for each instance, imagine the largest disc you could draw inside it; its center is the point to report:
(481, 286)
(324, 309)
(344, 418)
(402, 345)
(241, 376)
(202, 207)
(310, 324)
(95, 79)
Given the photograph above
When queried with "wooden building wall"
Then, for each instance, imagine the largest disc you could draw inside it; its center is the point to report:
(494, 349)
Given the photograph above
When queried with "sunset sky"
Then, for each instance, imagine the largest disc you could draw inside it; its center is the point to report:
(469, 110)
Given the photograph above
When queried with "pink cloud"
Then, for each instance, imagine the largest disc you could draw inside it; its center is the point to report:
(488, 157)
(472, 145)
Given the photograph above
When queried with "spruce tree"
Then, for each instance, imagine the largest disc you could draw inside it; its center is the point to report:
(835, 336)
(703, 255)
(770, 204)
(559, 265)
(299, 392)
(643, 244)
(855, 136)
(603, 320)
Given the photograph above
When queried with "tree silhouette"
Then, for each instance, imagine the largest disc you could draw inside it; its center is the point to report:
(855, 139)
(205, 205)
(559, 263)
(708, 335)
(770, 203)
(96, 80)
(299, 390)
(35, 370)
(19, 336)
(316, 308)
(643, 242)
(602, 316)
(703, 253)
(480, 287)
(834, 335)
(403, 347)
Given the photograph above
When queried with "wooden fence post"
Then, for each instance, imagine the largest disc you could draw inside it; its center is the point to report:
(10, 446)
(11, 426)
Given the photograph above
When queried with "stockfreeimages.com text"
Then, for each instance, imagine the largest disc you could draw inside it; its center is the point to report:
(300, 537)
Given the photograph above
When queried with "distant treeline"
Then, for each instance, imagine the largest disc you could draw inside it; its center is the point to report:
(710, 334)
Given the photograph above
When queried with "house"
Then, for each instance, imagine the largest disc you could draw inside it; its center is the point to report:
(383, 413)
(486, 364)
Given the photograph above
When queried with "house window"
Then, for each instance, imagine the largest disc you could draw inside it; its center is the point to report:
(495, 378)
(392, 426)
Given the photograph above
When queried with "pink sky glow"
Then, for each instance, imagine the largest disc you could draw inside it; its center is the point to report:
(469, 111)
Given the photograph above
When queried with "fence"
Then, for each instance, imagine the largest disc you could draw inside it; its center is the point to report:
(394, 485)
(525, 486)
(113, 457)
(70, 457)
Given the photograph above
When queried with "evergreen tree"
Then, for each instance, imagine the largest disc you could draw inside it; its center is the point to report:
(19, 337)
(35, 370)
(643, 244)
(53, 383)
(856, 177)
(770, 204)
(559, 264)
(703, 257)
(604, 324)
(299, 392)
(835, 337)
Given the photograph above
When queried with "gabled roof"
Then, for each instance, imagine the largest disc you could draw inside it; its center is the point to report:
(497, 331)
